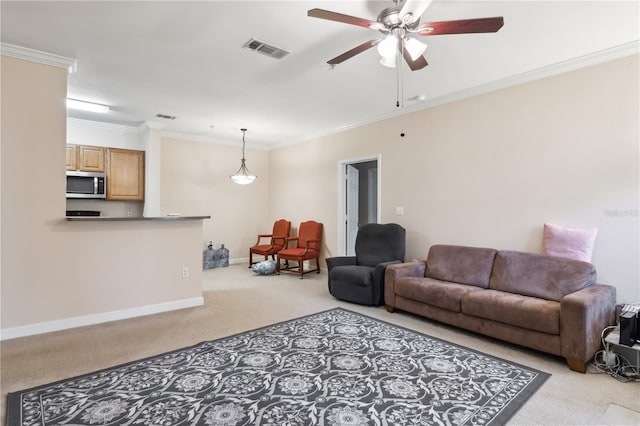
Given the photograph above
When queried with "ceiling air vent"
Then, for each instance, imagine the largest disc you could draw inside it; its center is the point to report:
(166, 117)
(265, 49)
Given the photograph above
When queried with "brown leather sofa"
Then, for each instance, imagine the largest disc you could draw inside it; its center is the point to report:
(547, 303)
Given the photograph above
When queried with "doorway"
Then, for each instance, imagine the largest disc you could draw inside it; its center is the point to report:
(359, 199)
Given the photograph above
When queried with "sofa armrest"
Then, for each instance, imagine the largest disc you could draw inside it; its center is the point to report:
(583, 316)
(379, 278)
(396, 271)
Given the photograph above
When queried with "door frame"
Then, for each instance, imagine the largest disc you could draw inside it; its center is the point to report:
(342, 196)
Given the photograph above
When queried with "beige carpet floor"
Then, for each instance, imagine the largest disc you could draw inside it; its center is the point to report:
(237, 300)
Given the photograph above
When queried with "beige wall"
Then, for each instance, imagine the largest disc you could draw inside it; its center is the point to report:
(195, 181)
(485, 171)
(54, 270)
(492, 169)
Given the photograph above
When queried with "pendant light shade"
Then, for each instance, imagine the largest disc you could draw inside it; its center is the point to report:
(243, 176)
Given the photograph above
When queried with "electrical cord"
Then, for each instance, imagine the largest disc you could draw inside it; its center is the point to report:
(608, 362)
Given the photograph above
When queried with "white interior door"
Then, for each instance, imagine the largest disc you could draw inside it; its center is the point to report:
(372, 191)
(352, 185)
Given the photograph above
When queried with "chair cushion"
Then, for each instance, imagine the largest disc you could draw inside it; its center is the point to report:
(377, 243)
(310, 230)
(281, 228)
(297, 253)
(352, 284)
(460, 264)
(264, 249)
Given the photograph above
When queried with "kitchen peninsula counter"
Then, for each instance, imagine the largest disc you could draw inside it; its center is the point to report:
(131, 219)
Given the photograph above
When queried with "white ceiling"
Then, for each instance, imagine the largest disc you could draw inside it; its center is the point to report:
(186, 59)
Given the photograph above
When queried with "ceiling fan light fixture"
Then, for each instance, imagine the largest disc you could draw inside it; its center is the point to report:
(387, 48)
(414, 47)
(388, 62)
(243, 176)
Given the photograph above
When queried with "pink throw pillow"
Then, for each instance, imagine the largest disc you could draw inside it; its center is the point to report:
(571, 243)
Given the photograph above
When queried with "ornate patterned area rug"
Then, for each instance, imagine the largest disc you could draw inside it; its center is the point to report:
(332, 368)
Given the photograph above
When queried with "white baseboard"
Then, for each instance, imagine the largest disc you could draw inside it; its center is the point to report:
(64, 324)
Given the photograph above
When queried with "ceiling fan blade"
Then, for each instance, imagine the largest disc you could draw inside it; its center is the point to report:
(346, 19)
(353, 52)
(418, 64)
(413, 10)
(461, 26)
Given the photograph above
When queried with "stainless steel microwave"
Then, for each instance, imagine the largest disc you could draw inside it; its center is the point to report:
(86, 185)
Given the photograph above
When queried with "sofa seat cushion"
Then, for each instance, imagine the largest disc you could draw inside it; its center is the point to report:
(537, 275)
(443, 294)
(459, 264)
(523, 311)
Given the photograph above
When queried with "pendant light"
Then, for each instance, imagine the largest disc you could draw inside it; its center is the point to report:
(243, 176)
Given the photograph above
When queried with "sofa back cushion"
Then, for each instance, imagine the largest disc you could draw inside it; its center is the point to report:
(460, 264)
(537, 275)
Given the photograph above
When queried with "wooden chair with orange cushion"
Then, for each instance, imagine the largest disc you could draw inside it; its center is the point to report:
(308, 241)
(277, 242)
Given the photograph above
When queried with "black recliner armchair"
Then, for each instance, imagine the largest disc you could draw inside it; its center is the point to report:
(360, 278)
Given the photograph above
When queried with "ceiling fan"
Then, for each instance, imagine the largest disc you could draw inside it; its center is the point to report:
(398, 23)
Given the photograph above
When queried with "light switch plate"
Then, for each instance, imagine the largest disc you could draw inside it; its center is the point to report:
(399, 211)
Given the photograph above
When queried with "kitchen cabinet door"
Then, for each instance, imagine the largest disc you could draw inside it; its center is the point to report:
(90, 158)
(125, 174)
(72, 157)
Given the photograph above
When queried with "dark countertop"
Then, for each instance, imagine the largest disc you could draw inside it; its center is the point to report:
(125, 219)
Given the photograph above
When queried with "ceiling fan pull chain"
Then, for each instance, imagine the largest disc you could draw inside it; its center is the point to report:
(399, 76)
(397, 85)
(400, 89)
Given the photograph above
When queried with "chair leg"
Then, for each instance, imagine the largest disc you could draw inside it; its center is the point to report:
(278, 266)
(250, 258)
(301, 268)
(317, 265)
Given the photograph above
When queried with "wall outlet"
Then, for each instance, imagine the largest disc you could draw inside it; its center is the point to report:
(185, 272)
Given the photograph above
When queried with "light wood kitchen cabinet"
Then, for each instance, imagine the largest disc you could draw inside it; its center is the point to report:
(125, 174)
(72, 157)
(85, 158)
(90, 158)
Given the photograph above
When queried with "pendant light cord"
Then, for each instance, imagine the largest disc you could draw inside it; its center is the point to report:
(243, 132)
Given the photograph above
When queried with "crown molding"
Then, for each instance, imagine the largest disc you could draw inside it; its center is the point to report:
(195, 137)
(595, 58)
(107, 126)
(38, 56)
(145, 126)
(152, 125)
